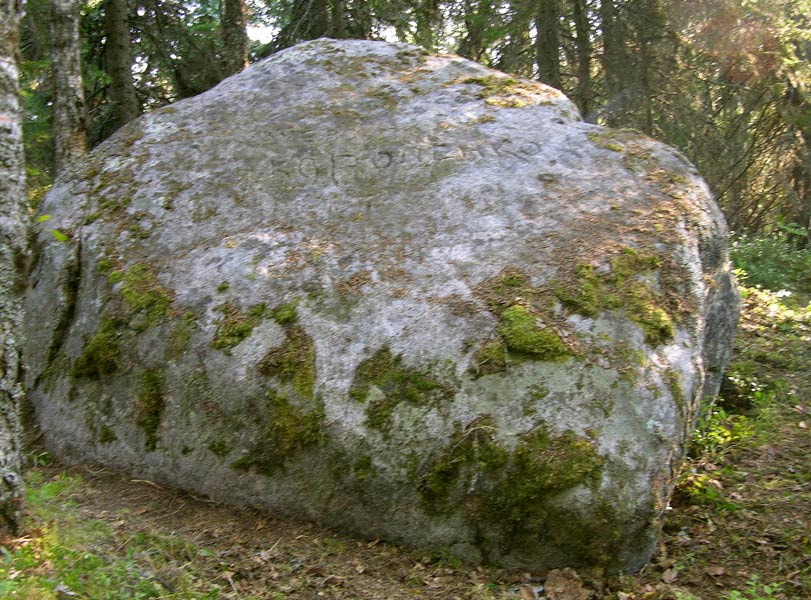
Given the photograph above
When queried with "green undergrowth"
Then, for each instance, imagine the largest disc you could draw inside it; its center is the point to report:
(747, 471)
(67, 554)
(773, 263)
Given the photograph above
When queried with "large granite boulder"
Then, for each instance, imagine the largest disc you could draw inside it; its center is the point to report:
(402, 295)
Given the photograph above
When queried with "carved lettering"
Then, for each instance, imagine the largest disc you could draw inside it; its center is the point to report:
(307, 167)
(382, 159)
(529, 148)
(353, 166)
(341, 163)
(446, 152)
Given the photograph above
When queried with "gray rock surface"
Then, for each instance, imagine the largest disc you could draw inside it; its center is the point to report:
(402, 295)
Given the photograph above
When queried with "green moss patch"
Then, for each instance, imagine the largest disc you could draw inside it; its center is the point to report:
(219, 448)
(606, 140)
(142, 293)
(180, 335)
(285, 314)
(525, 319)
(106, 435)
(523, 332)
(472, 448)
(151, 404)
(235, 326)
(504, 92)
(507, 489)
(100, 356)
(397, 383)
(621, 288)
(490, 358)
(542, 465)
(289, 430)
(293, 362)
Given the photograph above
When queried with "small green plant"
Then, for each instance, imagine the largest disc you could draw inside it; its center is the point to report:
(755, 590)
(718, 430)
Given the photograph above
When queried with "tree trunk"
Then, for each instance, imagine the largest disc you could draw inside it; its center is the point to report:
(547, 44)
(119, 62)
(614, 61)
(13, 219)
(476, 21)
(234, 36)
(584, 92)
(427, 17)
(338, 29)
(68, 92)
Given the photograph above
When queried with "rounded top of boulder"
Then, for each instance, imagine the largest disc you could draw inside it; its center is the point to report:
(349, 157)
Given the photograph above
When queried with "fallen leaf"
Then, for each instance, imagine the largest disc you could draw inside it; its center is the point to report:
(670, 575)
(565, 584)
(715, 571)
(803, 425)
(527, 593)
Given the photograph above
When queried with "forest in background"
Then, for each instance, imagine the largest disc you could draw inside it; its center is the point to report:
(728, 82)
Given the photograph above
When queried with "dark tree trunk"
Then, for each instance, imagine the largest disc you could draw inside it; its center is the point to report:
(68, 91)
(614, 61)
(339, 29)
(584, 94)
(477, 21)
(427, 18)
(13, 249)
(547, 44)
(234, 36)
(119, 62)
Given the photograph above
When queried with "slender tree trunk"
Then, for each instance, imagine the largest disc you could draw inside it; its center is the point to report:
(584, 94)
(119, 62)
(68, 90)
(427, 18)
(613, 60)
(338, 29)
(547, 44)
(477, 20)
(13, 219)
(234, 36)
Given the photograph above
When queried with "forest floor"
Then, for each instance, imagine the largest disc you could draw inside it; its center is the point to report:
(739, 527)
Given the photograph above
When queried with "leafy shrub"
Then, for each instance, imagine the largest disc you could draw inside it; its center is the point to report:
(772, 262)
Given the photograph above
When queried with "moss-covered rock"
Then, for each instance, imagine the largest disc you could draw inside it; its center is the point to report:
(382, 382)
(235, 325)
(151, 404)
(524, 332)
(100, 356)
(419, 301)
(289, 429)
(293, 362)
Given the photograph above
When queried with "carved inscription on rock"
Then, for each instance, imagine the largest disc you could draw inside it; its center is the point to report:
(374, 169)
